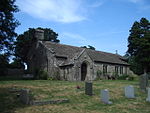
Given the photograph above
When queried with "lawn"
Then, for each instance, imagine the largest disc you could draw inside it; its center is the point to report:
(79, 102)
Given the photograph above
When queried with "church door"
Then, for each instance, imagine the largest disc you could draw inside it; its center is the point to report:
(83, 71)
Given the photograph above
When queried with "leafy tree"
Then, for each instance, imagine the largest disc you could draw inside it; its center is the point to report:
(89, 47)
(23, 44)
(3, 64)
(7, 25)
(28, 39)
(17, 63)
(139, 44)
(50, 35)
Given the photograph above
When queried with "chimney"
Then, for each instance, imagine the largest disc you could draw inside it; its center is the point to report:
(39, 34)
(116, 52)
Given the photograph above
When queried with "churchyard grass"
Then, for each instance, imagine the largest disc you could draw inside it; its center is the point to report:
(79, 102)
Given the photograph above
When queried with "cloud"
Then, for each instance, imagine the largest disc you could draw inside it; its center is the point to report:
(74, 39)
(71, 36)
(96, 4)
(65, 11)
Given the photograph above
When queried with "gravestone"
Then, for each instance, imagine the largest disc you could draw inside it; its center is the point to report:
(24, 96)
(148, 96)
(105, 96)
(143, 82)
(88, 88)
(129, 91)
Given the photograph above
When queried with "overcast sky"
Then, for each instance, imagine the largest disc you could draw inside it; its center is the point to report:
(104, 24)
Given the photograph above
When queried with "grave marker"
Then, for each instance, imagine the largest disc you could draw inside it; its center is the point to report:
(105, 96)
(129, 91)
(148, 96)
(24, 96)
(88, 88)
(143, 82)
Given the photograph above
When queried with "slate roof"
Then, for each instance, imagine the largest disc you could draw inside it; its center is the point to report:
(72, 52)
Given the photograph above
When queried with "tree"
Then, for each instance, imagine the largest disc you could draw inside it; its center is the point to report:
(7, 25)
(3, 64)
(50, 35)
(28, 39)
(139, 44)
(89, 47)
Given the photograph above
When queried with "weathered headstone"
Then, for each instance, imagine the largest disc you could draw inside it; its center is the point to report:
(88, 88)
(143, 82)
(148, 96)
(129, 91)
(24, 96)
(105, 96)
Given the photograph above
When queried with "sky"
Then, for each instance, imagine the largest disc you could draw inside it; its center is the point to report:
(104, 24)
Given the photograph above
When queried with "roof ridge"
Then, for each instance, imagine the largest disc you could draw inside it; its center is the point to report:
(82, 48)
(61, 44)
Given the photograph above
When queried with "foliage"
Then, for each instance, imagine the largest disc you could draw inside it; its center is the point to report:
(7, 25)
(4, 62)
(43, 75)
(99, 73)
(56, 75)
(127, 77)
(27, 40)
(89, 47)
(50, 35)
(115, 75)
(123, 77)
(131, 77)
(17, 63)
(139, 43)
(23, 44)
(50, 78)
(135, 66)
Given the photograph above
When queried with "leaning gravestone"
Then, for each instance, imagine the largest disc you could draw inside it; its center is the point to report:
(105, 96)
(148, 96)
(129, 91)
(24, 96)
(88, 88)
(143, 82)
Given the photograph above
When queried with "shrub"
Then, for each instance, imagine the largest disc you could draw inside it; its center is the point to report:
(99, 75)
(132, 77)
(56, 75)
(115, 75)
(50, 78)
(43, 75)
(123, 77)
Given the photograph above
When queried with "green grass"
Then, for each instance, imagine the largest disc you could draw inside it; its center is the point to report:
(79, 102)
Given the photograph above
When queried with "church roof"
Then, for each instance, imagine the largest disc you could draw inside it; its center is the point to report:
(72, 52)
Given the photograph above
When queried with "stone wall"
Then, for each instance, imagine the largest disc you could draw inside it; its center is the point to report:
(14, 72)
(45, 59)
(98, 70)
(38, 58)
(84, 58)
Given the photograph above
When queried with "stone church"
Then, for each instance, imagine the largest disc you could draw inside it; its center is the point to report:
(74, 63)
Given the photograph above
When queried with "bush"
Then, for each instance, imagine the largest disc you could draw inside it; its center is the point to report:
(123, 77)
(56, 75)
(43, 75)
(50, 78)
(132, 77)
